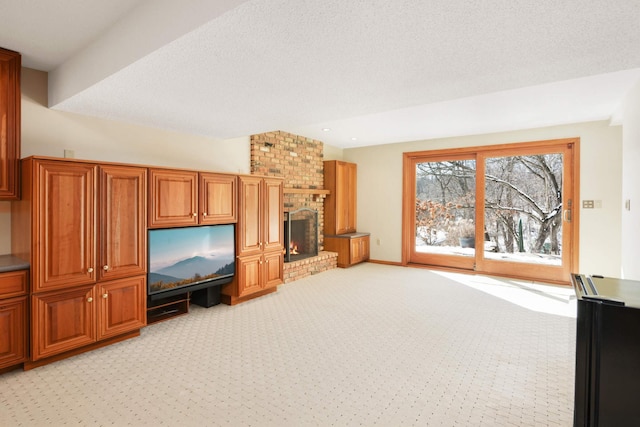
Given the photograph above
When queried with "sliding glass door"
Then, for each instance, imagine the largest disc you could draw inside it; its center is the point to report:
(503, 210)
(445, 211)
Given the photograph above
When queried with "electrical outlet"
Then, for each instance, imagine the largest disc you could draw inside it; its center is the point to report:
(378, 242)
(598, 204)
(69, 154)
(587, 204)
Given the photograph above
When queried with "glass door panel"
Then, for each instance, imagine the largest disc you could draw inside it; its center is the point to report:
(523, 209)
(526, 212)
(445, 212)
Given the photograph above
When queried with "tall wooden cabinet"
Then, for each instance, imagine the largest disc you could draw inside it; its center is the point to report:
(259, 239)
(83, 228)
(340, 213)
(340, 205)
(10, 65)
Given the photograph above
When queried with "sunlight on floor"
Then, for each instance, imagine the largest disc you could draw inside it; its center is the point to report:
(544, 298)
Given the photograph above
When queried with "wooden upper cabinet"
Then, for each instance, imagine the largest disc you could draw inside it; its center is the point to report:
(173, 199)
(179, 198)
(123, 222)
(10, 64)
(64, 223)
(218, 198)
(340, 178)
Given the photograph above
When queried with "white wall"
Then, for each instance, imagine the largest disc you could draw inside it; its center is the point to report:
(380, 189)
(631, 185)
(330, 152)
(47, 132)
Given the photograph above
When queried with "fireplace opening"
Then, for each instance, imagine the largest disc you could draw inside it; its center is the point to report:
(300, 234)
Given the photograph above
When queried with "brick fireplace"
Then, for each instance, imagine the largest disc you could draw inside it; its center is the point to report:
(299, 161)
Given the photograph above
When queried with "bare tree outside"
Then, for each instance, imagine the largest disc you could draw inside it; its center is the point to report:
(523, 207)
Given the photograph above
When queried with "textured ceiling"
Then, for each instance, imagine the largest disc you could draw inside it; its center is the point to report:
(379, 71)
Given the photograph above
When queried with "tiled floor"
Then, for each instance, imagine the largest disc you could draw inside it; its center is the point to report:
(369, 345)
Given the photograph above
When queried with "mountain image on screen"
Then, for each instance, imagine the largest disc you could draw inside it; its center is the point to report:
(190, 270)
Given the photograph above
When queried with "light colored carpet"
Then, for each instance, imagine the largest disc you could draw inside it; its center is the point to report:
(369, 345)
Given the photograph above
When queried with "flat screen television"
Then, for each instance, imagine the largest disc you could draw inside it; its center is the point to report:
(187, 259)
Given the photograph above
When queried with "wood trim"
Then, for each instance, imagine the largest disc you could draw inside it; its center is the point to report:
(525, 146)
(408, 190)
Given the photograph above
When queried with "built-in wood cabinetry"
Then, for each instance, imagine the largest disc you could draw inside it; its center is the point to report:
(181, 198)
(82, 226)
(352, 248)
(218, 198)
(259, 239)
(10, 65)
(13, 318)
(98, 312)
(340, 213)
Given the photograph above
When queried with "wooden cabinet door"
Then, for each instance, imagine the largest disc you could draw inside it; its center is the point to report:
(359, 249)
(273, 214)
(173, 198)
(121, 306)
(366, 247)
(218, 199)
(123, 222)
(351, 188)
(340, 204)
(65, 225)
(249, 233)
(10, 66)
(249, 274)
(345, 198)
(13, 333)
(273, 269)
(62, 321)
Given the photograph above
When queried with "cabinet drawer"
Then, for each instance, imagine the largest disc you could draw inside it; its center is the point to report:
(13, 284)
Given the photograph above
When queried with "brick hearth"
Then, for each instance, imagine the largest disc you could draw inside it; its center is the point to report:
(298, 160)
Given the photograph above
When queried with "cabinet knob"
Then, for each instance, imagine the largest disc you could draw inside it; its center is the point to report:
(105, 268)
(89, 299)
(90, 270)
(195, 214)
(105, 295)
(204, 214)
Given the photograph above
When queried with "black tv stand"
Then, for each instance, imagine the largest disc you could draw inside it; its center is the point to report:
(166, 308)
(207, 297)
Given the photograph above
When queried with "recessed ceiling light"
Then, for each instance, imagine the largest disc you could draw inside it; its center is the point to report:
(354, 139)
(326, 129)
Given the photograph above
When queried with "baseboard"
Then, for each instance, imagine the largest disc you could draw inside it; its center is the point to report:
(379, 261)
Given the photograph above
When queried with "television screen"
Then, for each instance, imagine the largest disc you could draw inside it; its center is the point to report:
(182, 258)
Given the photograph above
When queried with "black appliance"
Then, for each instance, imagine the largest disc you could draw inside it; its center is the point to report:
(607, 381)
